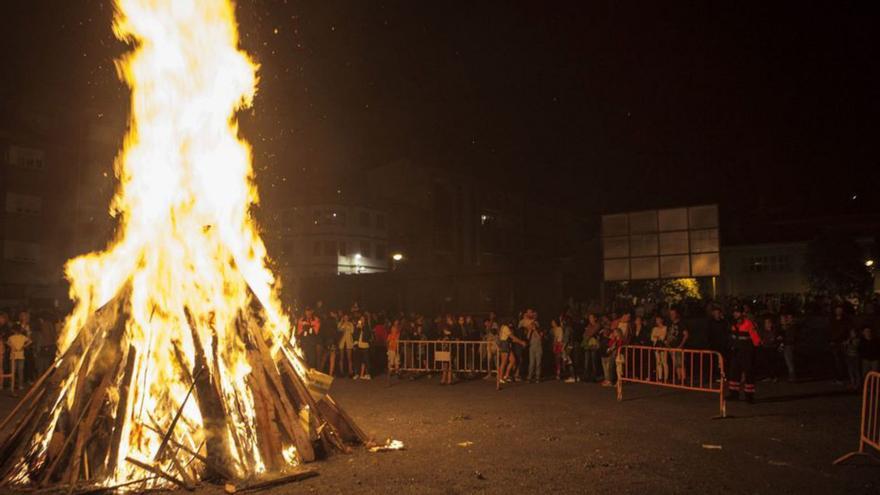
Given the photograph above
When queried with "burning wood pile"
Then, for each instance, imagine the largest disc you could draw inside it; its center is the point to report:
(177, 364)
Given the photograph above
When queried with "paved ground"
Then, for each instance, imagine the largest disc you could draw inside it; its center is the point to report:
(576, 438)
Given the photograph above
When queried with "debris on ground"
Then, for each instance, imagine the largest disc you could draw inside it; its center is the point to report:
(467, 443)
(388, 446)
(461, 417)
(709, 446)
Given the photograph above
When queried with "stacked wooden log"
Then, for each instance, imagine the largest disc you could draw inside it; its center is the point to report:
(66, 432)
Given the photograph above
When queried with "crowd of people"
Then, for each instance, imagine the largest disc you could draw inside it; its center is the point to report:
(758, 342)
(27, 346)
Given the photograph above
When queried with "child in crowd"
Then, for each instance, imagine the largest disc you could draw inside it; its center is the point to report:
(17, 343)
(853, 359)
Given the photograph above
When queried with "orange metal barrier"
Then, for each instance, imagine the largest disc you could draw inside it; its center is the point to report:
(458, 356)
(869, 428)
(684, 369)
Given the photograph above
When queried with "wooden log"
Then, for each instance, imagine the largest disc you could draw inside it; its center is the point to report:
(273, 482)
(167, 435)
(268, 435)
(13, 451)
(290, 418)
(213, 415)
(181, 470)
(158, 472)
(347, 422)
(121, 411)
(86, 405)
(85, 430)
(37, 387)
(328, 432)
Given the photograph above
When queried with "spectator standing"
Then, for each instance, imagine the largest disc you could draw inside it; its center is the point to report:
(718, 334)
(447, 333)
(393, 355)
(329, 343)
(379, 345)
(5, 332)
(363, 336)
(17, 342)
(768, 352)
(839, 331)
(520, 342)
(307, 329)
(507, 359)
(658, 339)
(745, 340)
(789, 342)
(558, 335)
(346, 343)
(676, 338)
(851, 348)
(590, 345)
(45, 340)
(535, 338)
(615, 357)
(24, 325)
(490, 337)
(605, 350)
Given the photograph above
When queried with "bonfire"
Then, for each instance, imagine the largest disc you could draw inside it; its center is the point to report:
(177, 364)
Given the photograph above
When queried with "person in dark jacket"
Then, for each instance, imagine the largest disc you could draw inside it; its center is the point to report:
(363, 336)
(839, 328)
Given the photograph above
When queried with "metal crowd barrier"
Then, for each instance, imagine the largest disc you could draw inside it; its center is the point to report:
(701, 370)
(869, 428)
(457, 356)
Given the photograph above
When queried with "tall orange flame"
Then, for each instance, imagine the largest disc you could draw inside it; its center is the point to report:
(186, 243)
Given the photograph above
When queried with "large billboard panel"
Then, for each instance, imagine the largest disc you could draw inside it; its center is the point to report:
(667, 243)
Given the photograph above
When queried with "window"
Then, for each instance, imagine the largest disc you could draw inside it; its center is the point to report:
(329, 248)
(24, 204)
(768, 264)
(380, 251)
(366, 249)
(380, 221)
(365, 219)
(21, 252)
(316, 248)
(33, 159)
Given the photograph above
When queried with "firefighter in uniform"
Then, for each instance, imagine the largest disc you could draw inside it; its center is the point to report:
(745, 341)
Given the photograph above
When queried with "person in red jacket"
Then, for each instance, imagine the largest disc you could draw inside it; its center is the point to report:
(745, 340)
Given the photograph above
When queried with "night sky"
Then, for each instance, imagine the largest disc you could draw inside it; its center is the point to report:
(598, 106)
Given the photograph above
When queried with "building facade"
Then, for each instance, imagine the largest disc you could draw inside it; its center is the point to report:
(332, 239)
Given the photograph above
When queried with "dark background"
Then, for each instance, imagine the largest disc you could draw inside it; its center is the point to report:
(598, 106)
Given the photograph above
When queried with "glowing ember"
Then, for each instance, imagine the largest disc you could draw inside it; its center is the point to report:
(180, 282)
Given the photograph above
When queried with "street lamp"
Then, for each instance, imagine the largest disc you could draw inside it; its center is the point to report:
(869, 263)
(397, 256)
